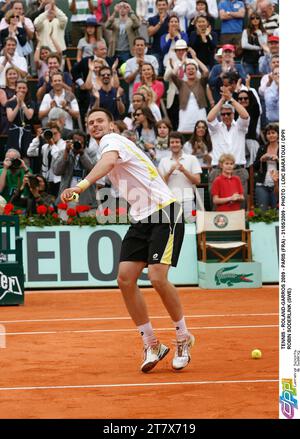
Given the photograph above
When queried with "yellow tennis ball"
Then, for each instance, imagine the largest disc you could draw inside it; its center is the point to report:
(256, 354)
(122, 69)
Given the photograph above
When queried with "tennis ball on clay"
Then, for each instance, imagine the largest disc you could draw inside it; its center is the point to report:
(74, 197)
(256, 354)
(122, 69)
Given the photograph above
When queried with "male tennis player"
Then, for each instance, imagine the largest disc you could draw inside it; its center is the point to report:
(154, 238)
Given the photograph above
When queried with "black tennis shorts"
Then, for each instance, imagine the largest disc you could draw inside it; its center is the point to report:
(156, 239)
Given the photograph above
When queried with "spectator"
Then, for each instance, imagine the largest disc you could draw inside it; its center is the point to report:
(181, 9)
(192, 93)
(59, 116)
(227, 189)
(134, 64)
(254, 39)
(266, 167)
(204, 41)
(145, 9)
(226, 66)
(175, 62)
(94, 80)
(271, 98)
(12, 175)
(157, 27)
(249, 101)
(109, 97)
(81, 11)
(24, 23)
(270, 18)
(162, 149)
(229, 136)
(148, 77)
(124, 30)
(19, 110)
(12, 30)
(6, 93)
(10, 58)
(272, 49)
(150, 96)
(86, 44)
(207, 8)
(168, 40)
(52, 23)
(138, 102)
(72, 164)
(59, 97)
(40, 58)
(146, 131)
(44, 83)
(267, 79)
(232, 13)
(36, 7)
(200, 144)
(48, 152)
(181, 172)
(119, 126)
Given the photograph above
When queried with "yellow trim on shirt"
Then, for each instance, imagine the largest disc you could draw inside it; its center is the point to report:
(153, 173)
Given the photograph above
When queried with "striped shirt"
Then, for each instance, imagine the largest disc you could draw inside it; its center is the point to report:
(83, 11)
(271, 24)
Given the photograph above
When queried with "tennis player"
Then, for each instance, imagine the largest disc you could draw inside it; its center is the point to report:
(154, 238)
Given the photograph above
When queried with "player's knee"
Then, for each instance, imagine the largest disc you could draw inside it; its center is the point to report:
(157, 280)
(124, 281)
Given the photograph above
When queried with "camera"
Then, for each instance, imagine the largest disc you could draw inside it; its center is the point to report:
(47, 134)
(76, 145)
(15, 163)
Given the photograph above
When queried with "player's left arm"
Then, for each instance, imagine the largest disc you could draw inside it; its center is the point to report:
(102, 168)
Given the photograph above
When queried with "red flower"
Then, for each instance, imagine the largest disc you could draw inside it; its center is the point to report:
(82, 208)
(8, 208)
(51, 209)
(251, 214)
(107, 211)
(194, 212)
(62, 206)
(69, 220)
(54, 215)
(42, 210)
(18, 212)
(121, 211)
(71, 212)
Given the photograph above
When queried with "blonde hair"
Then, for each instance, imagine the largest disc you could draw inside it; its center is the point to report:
(228, 157)
(150, 93)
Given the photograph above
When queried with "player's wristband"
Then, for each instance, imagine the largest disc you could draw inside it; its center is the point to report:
(83, 184)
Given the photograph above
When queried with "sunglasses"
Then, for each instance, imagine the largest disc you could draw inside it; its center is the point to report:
(226, 114)
(15, 16)
(105, 74)
(137, 114)
(254, 18)
(243, 98)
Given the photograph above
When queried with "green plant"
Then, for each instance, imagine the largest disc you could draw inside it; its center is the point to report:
(266, 216)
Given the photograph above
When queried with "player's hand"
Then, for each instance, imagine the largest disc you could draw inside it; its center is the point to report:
(67, 193)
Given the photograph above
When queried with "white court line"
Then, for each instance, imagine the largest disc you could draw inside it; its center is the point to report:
(134, 330)
(79, 319)
(105, 386)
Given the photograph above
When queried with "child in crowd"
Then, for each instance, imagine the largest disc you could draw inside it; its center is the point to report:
(227, 189)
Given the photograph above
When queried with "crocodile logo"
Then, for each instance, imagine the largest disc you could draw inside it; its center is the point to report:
(231, 278)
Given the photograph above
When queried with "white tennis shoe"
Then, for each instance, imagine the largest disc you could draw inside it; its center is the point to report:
(182, 355)
(152, 355)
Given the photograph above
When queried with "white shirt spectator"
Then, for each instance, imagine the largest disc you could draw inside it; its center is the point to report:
(46, 104)
(230, 141)
(180, 185)
(55, 27)
(19, 61)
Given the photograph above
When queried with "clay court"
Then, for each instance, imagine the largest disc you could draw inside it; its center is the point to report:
(76, 354)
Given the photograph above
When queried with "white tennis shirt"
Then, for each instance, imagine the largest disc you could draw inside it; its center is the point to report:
(135, 177)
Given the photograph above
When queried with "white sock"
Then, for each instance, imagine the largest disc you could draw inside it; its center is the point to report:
(147, 334)
(181, 329)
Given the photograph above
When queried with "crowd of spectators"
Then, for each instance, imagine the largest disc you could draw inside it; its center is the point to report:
(195, 83)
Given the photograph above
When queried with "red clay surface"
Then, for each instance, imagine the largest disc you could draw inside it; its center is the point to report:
(76, 354)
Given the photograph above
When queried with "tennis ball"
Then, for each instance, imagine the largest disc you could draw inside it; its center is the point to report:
(74, 197)
(256, 354)
(122, 69)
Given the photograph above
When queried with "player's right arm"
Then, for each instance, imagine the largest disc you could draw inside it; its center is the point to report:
(102, 168)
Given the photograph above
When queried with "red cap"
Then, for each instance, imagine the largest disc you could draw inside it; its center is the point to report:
(228, 47)
(273, 38)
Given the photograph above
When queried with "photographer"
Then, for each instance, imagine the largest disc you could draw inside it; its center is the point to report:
(47, 152)
(12, 176)
(73, 164)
